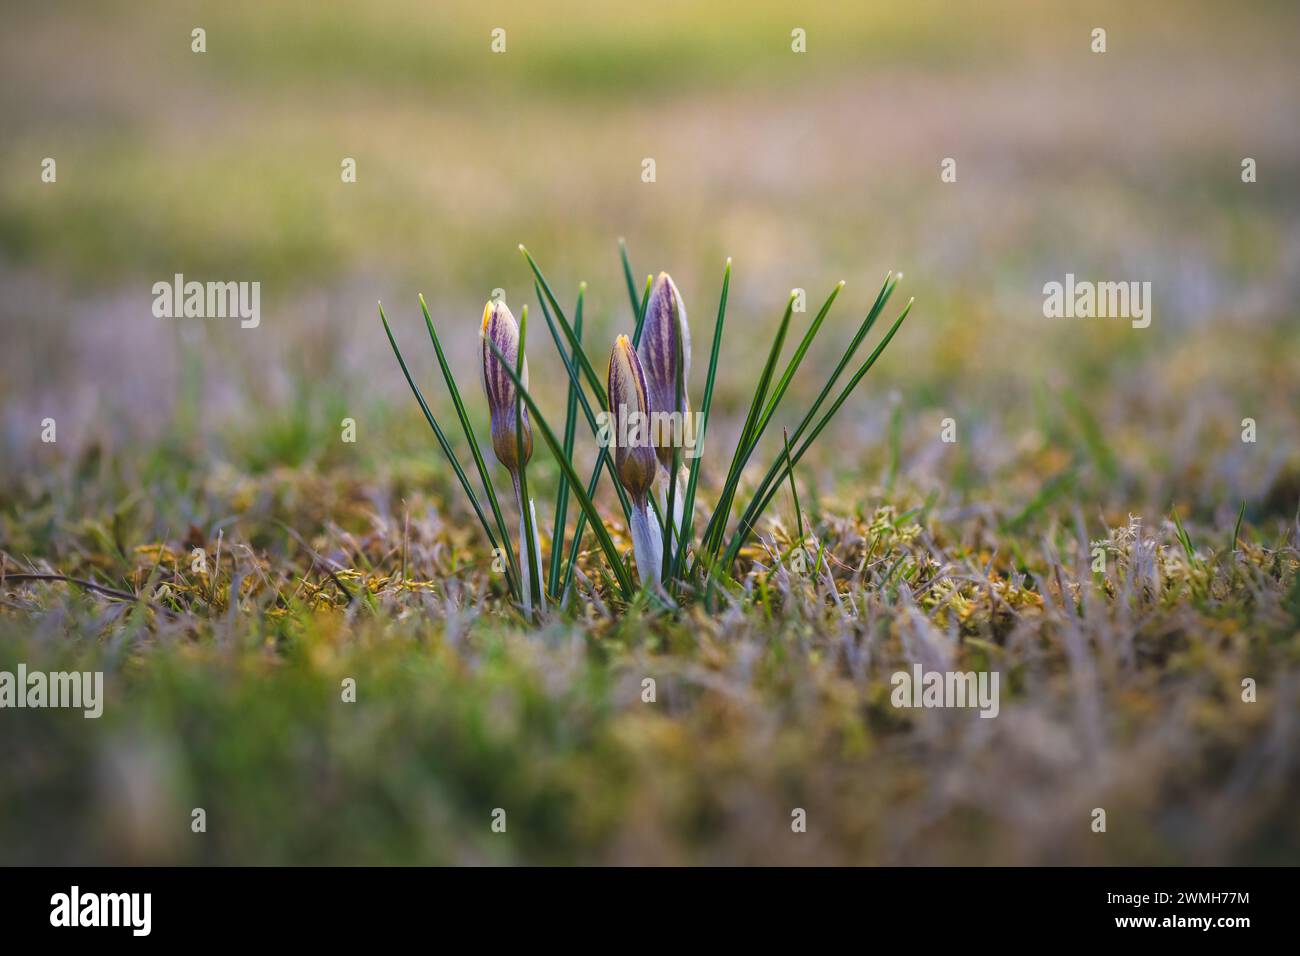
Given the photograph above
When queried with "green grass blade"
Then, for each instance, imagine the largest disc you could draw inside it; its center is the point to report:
(525, 504)
(688, 510)
(581, 525)
(584, 501)
(575, 386)
(1052, 489)
(640, 315)
(797, 358)
(570, 432)
(760, 426)
(446, 448)
(477, 454)
(1236, 528)
(667, 526)
(717, 525)
(895, 444)
(760, 502)
(1093, 437)
(602, 458)
(584, 362)
(575, 346)
(864, 329)
(882, 299)
(628, 277)
(1185, 540)
(794, 491)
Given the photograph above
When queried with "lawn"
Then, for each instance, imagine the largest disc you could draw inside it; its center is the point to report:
(302, 626)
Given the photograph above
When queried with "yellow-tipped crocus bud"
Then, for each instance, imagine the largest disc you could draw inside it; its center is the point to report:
(665, 327)
(629, 407)
(500, 329)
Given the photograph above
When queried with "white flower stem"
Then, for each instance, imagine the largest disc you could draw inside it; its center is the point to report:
(537, 548)
(528, 554)
(679, 504)
(647, 543)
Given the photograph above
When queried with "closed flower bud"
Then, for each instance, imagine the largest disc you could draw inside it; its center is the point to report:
(500, 329)
(665, 327)
(634, 457)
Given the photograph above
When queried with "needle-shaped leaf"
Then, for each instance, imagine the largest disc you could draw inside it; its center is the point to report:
(575, 346)
(628, 277)
(794, 490)
(793, 365)
(570, 433)
(576, 349)
(444, 445)
(706, 404)
(576, 392)
(584, 501)
(602, 458)
(717, 526)
(670, 496)
(525, 503)
(479, 463)
(868, 322)
(760, 425)
(785, 465)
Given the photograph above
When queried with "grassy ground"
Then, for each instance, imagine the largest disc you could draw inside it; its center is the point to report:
(1120, 689)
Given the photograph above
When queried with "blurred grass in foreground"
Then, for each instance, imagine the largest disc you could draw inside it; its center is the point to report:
(1120, 690)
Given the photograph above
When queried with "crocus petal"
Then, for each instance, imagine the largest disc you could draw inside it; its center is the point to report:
(500, 329)
(665, 326)
(634, 456)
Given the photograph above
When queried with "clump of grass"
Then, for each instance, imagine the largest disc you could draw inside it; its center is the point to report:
(648, 376)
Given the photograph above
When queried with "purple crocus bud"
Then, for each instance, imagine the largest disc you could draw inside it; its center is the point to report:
(665, 327)
(629, 406)
(500, 329)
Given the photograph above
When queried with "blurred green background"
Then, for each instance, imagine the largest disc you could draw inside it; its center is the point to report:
(805, 169)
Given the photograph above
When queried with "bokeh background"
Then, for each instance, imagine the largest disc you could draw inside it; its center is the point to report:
(805, 169)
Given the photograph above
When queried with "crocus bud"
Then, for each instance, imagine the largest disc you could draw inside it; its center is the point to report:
(500, 329)
(665, 326)
(634, 457)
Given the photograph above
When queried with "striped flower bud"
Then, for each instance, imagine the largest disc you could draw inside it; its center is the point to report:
(634, 458)
(665, 326)
(500, 329)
